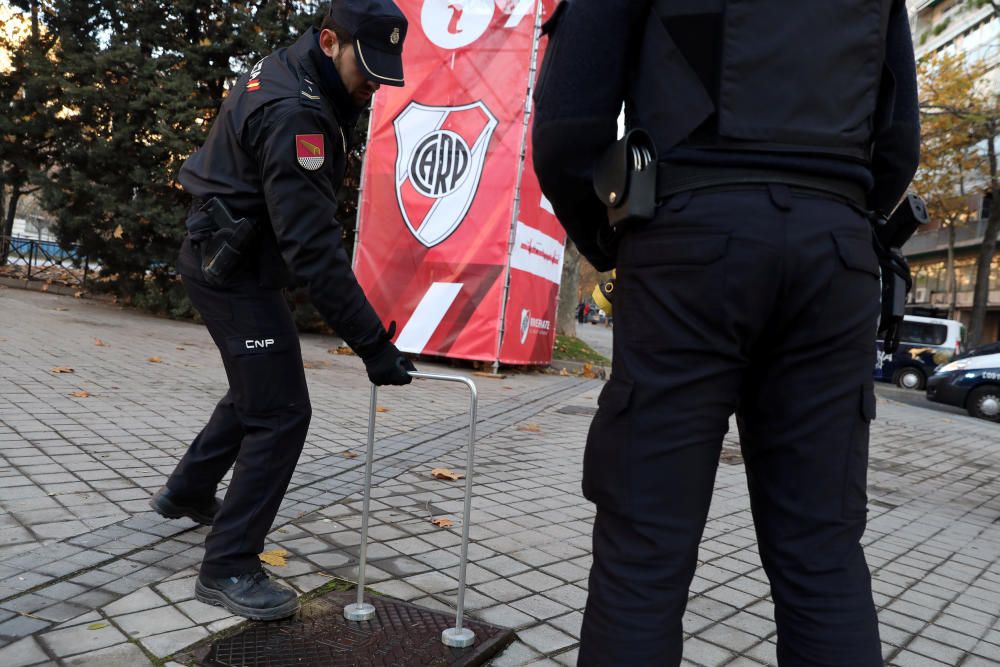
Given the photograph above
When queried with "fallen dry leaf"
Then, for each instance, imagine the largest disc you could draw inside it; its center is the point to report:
(62, 369)
(99, 343)
(97, 626)
(564, 372)
(62, 310)
(350, 455)
(315, 364)
(381, 408)
(588, 371)
(119, 232)
(530, 428)
(80, 394)
(442, 522)
(342, 349)
(445, 473)
(45, 287)
(275, 557)
(77, 295)
(155, 360)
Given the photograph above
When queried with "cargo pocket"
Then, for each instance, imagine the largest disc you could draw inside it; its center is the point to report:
(605, 460)
(856, 467)
(267, 374)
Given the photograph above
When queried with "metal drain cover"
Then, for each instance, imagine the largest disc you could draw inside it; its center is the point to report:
(400, 635)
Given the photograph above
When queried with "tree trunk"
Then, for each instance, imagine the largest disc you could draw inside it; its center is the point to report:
(986, 251)
(569, 291)
(8, 223)
(950, 271)
(4, 247)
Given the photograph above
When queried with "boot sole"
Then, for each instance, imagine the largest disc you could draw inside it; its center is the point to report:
(219, 599)
(168, 510)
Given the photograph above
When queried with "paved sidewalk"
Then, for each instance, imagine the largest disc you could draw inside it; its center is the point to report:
(88, 576)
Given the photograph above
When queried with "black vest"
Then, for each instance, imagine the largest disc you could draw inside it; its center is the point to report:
(798, 77)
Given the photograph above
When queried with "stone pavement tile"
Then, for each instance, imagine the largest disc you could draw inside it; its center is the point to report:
(169, 643)
(932, 649)
(570, 623)
(545, 638)
(568, 658)
(505, 616)
(517, 654)
(910, 659)
(202, 613)
(122, 655)
(224, 624)
(503, 590)
(89, 617)
(705, 654)
(765, 652)
(539, 606)
(431, 582)
(144, 598)
(153, 622)
(536, 581)
(21, 653)
(731, 638)
(177, 590)
(567, 571)
(398, 589)
(60, 612)
(504, 565)
(544, 662)
(80, 639)
(22, 626)
(572, 596)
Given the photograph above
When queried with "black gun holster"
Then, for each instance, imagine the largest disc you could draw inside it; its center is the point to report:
(625, 179)
(221, 239)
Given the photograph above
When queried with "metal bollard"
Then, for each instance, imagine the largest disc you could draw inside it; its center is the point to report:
(458, 636)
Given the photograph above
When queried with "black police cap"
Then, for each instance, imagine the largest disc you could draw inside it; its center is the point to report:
(378, 28)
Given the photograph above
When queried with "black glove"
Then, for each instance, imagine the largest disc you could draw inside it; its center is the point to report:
(388, 365)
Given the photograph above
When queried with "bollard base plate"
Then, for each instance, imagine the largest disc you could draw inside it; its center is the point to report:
(458, 637)
(359, 612)
(400, 634)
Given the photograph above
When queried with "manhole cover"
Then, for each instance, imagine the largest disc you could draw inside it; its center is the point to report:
(400, 635)
(582, 410)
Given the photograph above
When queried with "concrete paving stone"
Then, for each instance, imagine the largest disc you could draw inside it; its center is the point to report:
(224, 624)
(152, 621)
(505, 616)
(568, 658)
(936, 650)
(21, 653)
(517, 654)
(122, 655)
(432, 582)
(202, 613)
(504, 565)
(177, 590)
(401, 590)
(728, 637)
(61, 612)
(910, 659)
(570, 623)
(536, 581)
(705, 654)
(81, 639)
(546, 639)
(169, 643)
(503, 590)
(429, 602)
(540, 607)
(140, 600)
(572, 596)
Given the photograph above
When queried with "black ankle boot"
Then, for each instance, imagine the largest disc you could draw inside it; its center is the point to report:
(252, 595)
(167, 505)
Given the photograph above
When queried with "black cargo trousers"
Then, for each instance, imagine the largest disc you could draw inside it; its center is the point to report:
(761, 301)
(260, 424)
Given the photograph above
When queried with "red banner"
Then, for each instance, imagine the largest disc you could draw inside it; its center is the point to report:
(437, 218)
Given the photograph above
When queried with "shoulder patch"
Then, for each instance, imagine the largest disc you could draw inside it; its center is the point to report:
(308, 94)
(310, 150)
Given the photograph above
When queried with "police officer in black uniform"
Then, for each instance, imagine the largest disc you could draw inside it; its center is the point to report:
(264, 189)
(754, 290)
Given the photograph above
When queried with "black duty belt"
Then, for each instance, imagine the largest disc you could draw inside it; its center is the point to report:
(672, 179)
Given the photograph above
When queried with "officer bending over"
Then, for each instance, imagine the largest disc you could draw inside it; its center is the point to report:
(263, 218)
(752, 287)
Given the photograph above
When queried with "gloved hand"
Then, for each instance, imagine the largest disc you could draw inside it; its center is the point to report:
(388, 365)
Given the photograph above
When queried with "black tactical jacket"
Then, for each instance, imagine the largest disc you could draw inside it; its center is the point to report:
(821, 88)
(276, 153)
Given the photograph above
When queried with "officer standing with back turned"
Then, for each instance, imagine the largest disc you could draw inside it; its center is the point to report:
(264, 189)
(751, 287)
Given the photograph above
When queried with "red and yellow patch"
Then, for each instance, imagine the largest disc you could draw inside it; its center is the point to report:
(253, 84)
(310, 150)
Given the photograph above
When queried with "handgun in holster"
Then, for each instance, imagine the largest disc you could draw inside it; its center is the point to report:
(221, 238)
(889, 236)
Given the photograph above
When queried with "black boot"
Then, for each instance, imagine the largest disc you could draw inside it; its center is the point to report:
(252, 595)
(167, 505)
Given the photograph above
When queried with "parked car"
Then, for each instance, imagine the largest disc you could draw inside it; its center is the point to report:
(988, 348)
(925, 344)
(972, 383)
